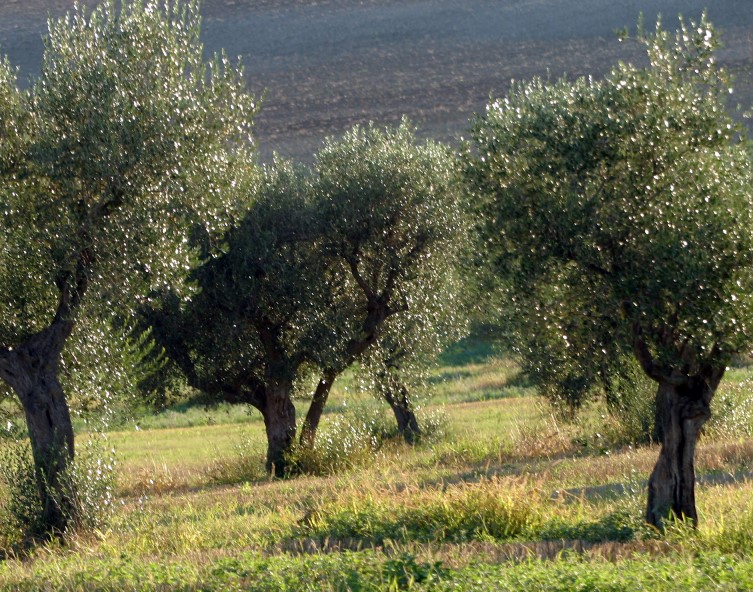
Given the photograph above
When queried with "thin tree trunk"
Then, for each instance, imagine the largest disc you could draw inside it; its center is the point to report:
(682, 409)
(32, 371)
(405, 415)
(279, 421)
(314, 414)
(371, 326)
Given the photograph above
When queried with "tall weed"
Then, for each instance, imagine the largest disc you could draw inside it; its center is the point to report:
(349, 441)
(246, 465)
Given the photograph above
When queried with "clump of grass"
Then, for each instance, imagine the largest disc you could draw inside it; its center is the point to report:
(245, 464)
(485, 511)
(469, 450)
(520, 440)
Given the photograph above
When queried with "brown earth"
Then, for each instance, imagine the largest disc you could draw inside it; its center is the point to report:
(325, 65)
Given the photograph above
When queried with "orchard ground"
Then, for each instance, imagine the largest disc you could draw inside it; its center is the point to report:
(500, 495)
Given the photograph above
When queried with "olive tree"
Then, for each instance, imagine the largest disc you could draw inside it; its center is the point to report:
(398, 368)
(307, 281)
(620, 211)
(398, 224)
(123, 138)
(262, 309)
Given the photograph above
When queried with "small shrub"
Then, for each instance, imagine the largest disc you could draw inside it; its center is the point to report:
(22, 508)
(631, 400)
(86, 485)
(349, 441)
(433, 424)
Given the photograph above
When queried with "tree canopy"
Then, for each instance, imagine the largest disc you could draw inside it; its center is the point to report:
(399, 224)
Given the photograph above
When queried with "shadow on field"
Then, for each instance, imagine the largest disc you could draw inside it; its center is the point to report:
(613, 491)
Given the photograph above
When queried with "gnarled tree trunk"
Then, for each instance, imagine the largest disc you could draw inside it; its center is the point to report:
(279, 420)
(683, 406)
(32, 371)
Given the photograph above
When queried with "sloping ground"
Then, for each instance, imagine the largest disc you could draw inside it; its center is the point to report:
(325, 65)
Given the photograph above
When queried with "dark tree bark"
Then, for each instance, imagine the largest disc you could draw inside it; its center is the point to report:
(272, 396)
(377, 311)
(314, 414)
(682, 410)
(31, 369)
(279, 420)
(405, 415)
(683, 405)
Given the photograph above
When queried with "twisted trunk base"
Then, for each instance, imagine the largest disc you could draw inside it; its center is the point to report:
(681, 412)
(405, 415)
(279, 420)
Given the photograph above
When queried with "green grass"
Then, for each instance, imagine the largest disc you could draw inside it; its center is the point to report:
(506, 498)
(372, 571)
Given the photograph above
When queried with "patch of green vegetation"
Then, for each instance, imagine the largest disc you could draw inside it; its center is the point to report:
(455, 514)
(374, 571)
(503, 482)
(470, 350)
(196, 413)
(704, 572)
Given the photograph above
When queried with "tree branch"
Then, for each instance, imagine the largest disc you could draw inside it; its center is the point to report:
(649, 365)
(352, 261)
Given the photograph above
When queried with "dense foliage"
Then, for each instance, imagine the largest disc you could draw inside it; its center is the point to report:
(399, 224)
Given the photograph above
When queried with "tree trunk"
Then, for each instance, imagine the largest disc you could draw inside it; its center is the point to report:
(407, 424)
(31, 370)
(682, 409)
(314, 414)
(279, 421)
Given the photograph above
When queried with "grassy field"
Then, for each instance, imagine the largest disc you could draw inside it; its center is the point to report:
(501, 496)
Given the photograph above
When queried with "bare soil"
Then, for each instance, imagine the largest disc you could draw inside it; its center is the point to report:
(323, 65)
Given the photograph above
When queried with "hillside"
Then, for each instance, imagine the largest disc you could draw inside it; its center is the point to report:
(324, 65)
